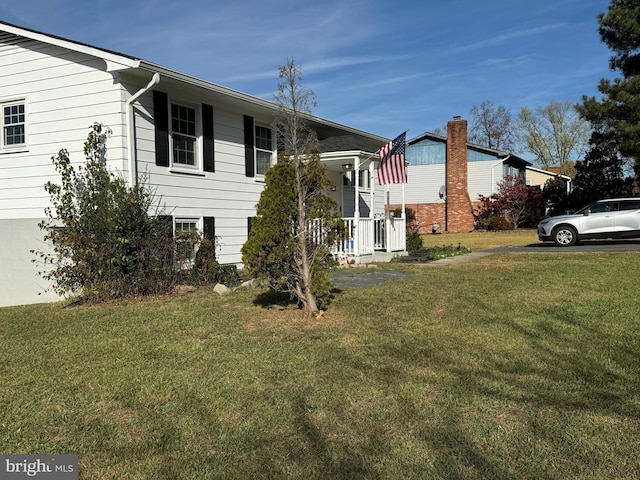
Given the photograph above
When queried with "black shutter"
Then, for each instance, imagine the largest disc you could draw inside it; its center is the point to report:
(161, 123)
(208, 153)
(249, 142)
(249, 222)
(209, 227)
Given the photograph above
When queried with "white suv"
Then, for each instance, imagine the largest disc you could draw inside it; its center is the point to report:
(613, 218)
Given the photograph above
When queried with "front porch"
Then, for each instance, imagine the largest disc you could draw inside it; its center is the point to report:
(372, 239)
(373, 234)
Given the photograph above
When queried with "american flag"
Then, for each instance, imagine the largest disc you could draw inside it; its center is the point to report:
(392, 161)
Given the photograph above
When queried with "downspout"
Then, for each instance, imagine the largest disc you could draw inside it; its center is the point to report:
(133, 167)
(494, 166)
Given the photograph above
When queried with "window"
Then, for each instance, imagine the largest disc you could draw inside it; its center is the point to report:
(14, 134)
(604, 207)
(185, 229)
(184, 135)
(630, 205)
(513, 172)
(264, 149)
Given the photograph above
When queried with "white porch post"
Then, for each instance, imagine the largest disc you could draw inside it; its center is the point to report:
(356, 208)
(387, 222)
(371, 188)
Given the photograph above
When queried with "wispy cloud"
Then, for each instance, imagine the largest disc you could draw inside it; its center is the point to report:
(313, 67)
(506, 37)
(392, 80)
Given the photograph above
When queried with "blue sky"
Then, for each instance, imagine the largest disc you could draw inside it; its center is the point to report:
(380, 66)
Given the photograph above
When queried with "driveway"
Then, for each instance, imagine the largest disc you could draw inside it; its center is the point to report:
(363, 277)
(583, 246)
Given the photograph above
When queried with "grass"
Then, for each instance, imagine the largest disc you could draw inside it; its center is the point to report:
(513, 366)
(480, 240)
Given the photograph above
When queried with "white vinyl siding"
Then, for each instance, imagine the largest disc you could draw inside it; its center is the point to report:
(228, 195)
(64, 93)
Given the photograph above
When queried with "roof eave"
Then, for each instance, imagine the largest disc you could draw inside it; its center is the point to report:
(115, 61)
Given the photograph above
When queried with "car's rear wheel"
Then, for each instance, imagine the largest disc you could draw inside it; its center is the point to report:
(565, 236)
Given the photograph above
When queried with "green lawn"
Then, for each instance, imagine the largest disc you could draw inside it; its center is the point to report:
(479, 240)
(519, 366)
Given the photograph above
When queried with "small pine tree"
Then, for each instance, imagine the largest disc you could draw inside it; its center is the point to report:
(272, 253)
(289, 246)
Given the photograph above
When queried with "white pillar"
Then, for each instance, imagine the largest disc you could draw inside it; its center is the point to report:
(371, 188)
(356, 207)
(387, 232)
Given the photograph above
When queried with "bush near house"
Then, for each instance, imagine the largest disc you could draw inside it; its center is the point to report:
(514, 205)
(105, 244)
(413, 239)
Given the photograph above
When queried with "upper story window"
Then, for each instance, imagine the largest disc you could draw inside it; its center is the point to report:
(184, 135)
(264, 149)
(513, 172)
(14, 126)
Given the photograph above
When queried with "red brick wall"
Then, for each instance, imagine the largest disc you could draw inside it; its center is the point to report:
(459, 209)
(426, 215)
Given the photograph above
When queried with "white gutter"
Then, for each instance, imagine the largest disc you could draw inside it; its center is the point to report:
(133, 167)
(494, 166)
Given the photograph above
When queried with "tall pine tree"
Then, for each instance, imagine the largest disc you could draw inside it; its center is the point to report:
(601, 173)
(620, 31)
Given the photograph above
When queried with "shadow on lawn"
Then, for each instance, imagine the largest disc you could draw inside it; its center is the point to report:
(271, 299)
(565, 385)
(579, 378)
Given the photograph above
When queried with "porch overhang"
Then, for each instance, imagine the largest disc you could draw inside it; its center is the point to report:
(348, 160)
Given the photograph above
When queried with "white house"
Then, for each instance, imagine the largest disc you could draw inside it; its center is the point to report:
(202, 147)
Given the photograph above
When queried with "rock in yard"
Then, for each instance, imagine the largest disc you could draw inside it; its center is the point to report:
(221, 289)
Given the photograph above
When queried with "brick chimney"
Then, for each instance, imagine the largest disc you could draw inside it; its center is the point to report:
(459, 211)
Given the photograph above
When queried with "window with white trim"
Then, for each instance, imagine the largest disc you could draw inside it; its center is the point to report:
(14, 125)
(264, 149)
(185, 230)
(184, 136)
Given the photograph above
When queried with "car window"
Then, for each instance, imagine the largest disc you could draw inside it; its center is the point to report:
(603, 207)
(630, 205)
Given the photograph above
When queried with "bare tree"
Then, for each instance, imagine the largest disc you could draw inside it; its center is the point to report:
(294, 101)
(297, 221)
(555, 134)
(491, 126)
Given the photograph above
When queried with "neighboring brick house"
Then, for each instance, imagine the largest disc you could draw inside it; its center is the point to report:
(447, 174)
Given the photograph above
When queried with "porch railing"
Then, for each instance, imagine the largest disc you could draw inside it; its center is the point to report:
(372, 236)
